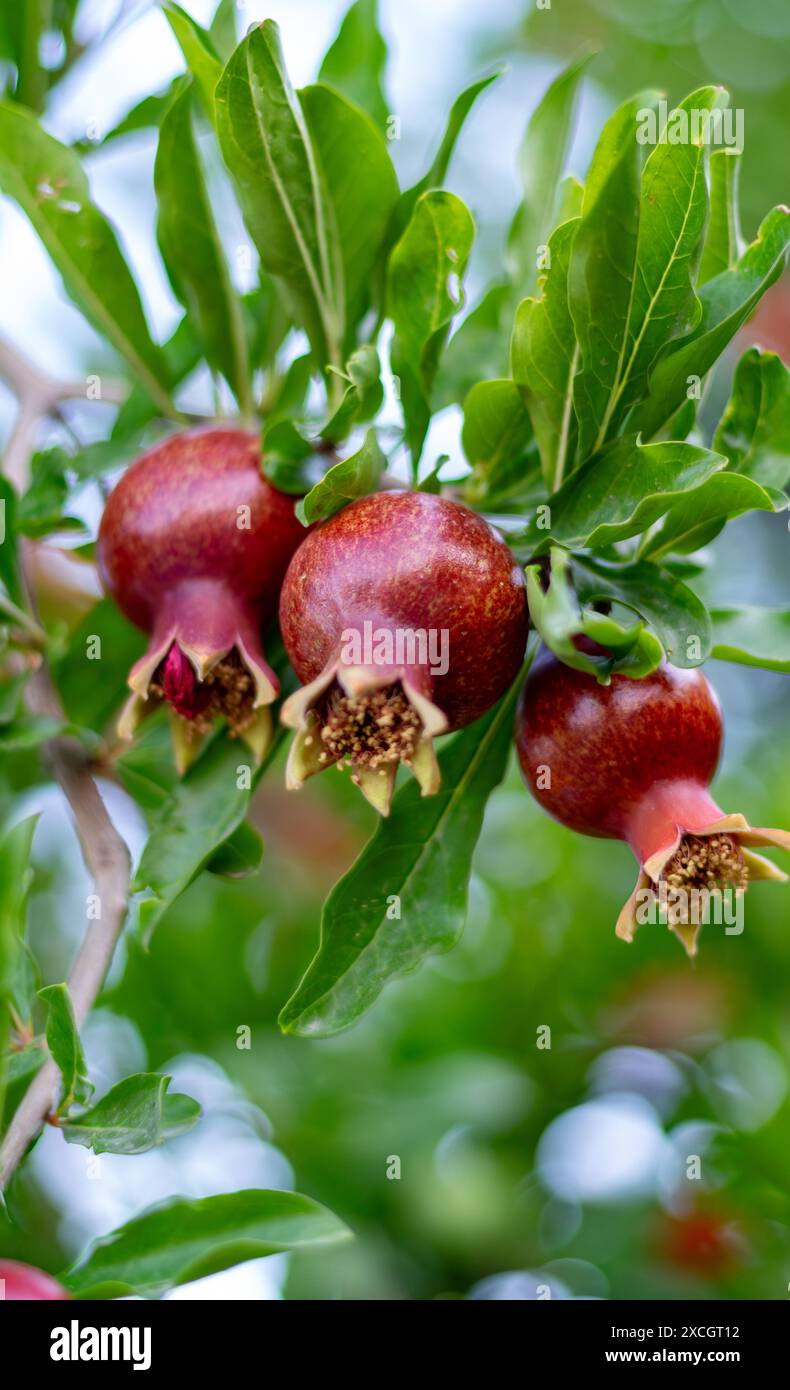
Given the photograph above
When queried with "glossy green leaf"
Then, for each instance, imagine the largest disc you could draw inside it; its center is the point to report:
(558, 619)
(203, 811)
(754, 431)
(199, 53)
(545, 358)
(106, 644)
(65, 1047)
(672, 218)
(671, 609)
(727, 302)
(362, 397)
(350, 478)
(10, 574)
(541, 161)
(496, 436)
(133, 1117)
(355, 62)
(240, 856)
(222, 29)
(752, 636)
(619, 493)
(723, 244)
(698, 518)
(602, 270)
(271, 157)
(192, 249)
(424, 293)
(182, 1240)
(17, 967)
(420, 859)
(46, 179)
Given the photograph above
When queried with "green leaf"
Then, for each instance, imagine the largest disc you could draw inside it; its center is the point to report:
(723, 243)
(17, 968)
(10, 573)
(752, 636)
(558, 618)
(46, 179)
(40, 509)
(424, 293)
(203, 811)
(478, 349)
(182, 354)
(754, 431)
(698, 518)
(199, 52)
(678, 617)
(240, 856)
(133, 1117)
(103, 643)
(602, 270)
(192, 250)
(727, 301)
(420, 857)
(362, 397)
(346, 141)
(496, 436)
(63, 1041)
(545, 356)
(435, 175)
(182, 1240)
(672, 218)
(222, 29)
(355, 62)
(270, 155)
(352, 477)
(541, 160)
(28, 732)
(619, 493)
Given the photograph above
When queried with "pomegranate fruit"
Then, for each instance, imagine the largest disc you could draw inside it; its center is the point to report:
(632, 761)
(405, 617)
(20, 1282)
(193, 546)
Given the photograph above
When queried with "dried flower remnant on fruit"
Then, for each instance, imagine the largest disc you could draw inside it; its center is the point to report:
(632, 761)
(193, 546)
(411, 578)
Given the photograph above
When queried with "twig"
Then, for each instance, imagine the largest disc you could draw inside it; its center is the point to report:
(104, 851)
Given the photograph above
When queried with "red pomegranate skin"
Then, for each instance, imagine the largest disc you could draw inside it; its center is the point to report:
(607, 746)
(172, 519)
(193, 546)
(411, 560)
(20, 1283)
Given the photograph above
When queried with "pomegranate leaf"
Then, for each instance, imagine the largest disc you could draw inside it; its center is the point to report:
(352, 477)
(355, 62)
(10, 577)
(617, 494)
(199, 52)
(192, 251)
(754, 431)
(18, 969)
(602, 270)
(678, 617)
(134, 1116)
(46, 179)
(406, 895)
(65, 1047)
(727, 301)
(752, 636)
(673, 212)
(545, 358)
(424, 293)
(180, 1240)
(723, 243)
(541, 160)
(478, 348)
(496, 439)
(700, 516)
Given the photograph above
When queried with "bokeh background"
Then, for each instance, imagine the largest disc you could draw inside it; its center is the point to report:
(644, 1153)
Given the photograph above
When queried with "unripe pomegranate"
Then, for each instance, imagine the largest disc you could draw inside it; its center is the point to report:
(404, 616)
(193, 546)
(632, 761)
(20, 1282)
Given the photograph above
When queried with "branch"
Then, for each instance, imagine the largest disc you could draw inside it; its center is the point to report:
(104, 851)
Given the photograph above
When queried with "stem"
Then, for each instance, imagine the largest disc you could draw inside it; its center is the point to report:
(104, 852)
